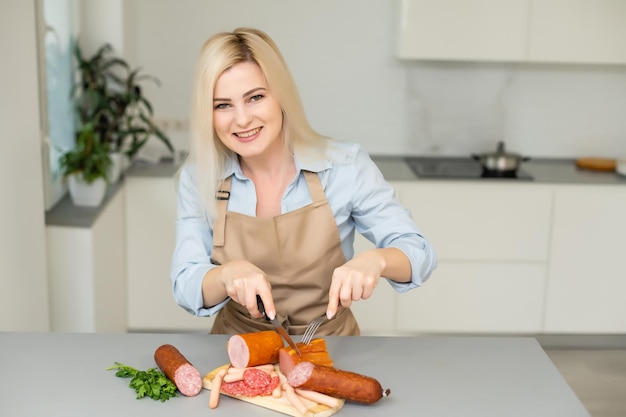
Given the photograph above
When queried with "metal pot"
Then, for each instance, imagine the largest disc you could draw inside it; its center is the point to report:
(500, 161)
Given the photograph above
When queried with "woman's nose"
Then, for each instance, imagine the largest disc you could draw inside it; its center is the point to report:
(243, 115)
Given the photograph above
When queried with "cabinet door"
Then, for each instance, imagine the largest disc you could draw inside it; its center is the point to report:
(586, 291)
(478, 30)
(150, 239)
(578, 31)
(482, 221)
(469, 297)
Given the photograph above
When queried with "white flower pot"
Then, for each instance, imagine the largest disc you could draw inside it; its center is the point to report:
(86, 195)
(117, 166)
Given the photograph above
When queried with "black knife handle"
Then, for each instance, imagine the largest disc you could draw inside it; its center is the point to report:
(261, 306)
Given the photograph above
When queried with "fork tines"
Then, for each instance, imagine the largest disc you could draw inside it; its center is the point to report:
(311, 329)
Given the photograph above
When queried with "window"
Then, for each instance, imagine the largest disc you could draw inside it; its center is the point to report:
(56, 35)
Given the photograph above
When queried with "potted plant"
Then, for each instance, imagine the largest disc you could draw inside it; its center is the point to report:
(86, 167)
(108, 95)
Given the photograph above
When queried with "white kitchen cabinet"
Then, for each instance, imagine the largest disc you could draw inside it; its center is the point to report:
(150, 240)
(586, 289)
(86, 271)
(482, 221)
(476, 297)
(492, 245)
(484, 30)
(580, 31)
(543, 31)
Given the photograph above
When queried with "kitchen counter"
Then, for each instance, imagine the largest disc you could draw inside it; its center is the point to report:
(63, 374)
(543, 171)
(394, 168)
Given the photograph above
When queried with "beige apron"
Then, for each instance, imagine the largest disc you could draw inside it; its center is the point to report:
(298, 251)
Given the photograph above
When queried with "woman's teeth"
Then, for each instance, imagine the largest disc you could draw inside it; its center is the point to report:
(248, 133)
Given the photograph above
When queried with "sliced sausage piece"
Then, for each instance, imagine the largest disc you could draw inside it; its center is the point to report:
(336, 383)
(252, 349)
(178, 369)
(314, 352)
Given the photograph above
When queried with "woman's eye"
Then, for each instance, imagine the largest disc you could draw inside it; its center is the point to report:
(256, 97)
(221, 106)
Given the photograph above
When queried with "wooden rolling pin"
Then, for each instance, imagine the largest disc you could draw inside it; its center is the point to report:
(596, 164)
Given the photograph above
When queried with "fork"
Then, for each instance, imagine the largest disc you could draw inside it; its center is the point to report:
(312, 328)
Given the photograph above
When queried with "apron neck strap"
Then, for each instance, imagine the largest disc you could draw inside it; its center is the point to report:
(220, 220)
(315, 188)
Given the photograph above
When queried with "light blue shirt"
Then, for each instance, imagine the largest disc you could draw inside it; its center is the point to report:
(359, 198)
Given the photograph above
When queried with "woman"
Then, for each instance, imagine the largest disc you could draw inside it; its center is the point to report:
(268, 207)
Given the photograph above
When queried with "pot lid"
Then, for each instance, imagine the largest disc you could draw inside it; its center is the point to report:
(501, 152)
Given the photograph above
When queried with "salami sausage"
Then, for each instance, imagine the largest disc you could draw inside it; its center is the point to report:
(254, 382)
(252, 349)
(336, 383)
(178, 369)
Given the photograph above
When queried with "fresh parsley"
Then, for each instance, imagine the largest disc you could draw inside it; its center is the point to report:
(152, 382)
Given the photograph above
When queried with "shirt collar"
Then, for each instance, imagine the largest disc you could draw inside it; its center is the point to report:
(303, 163)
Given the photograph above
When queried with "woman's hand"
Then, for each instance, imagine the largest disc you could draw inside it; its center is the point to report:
(243, 281)
(355, 280)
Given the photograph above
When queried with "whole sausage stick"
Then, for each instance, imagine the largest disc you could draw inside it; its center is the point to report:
(216, 385)
(319, 398)
(178, 369)
(293, 398)
(278, 391)
(336, 383)
(251, 349)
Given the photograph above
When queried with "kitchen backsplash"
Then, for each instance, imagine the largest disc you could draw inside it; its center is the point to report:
(354, 88)
(539, 110)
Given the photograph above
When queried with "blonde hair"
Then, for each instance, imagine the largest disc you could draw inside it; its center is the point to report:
(222, 51)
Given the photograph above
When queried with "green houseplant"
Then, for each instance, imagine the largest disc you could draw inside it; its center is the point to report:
(113, 116)
(87, 167)
(111, 90)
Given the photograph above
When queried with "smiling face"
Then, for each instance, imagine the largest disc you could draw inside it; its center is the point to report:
(246, 117)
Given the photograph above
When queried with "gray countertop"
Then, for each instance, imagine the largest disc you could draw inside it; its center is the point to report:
(63, 374)
(543, 171)
(394, 168)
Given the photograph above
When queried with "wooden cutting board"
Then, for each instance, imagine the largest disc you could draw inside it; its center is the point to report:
(281, 405)
(596, 164)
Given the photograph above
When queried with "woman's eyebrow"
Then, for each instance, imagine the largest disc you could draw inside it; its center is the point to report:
(254, 90)
(246, 94)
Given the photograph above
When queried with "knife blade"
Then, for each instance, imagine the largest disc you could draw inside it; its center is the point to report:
(280, 329)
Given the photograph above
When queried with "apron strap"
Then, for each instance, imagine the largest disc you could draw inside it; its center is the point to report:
(220, 220)
(315, 188)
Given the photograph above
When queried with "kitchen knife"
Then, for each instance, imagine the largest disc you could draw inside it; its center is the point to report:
(280, 329)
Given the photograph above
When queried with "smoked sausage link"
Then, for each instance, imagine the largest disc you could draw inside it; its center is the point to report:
(336, 383)
(178, 369)
(252, 349)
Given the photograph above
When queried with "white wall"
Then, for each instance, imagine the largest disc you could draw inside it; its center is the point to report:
(23, 280)
(342, 56)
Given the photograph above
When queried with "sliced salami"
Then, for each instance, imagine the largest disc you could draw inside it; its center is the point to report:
(255, 382)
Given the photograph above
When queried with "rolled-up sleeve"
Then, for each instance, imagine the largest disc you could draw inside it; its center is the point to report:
(192, 254)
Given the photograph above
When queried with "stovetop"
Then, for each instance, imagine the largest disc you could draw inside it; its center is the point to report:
(459, 168)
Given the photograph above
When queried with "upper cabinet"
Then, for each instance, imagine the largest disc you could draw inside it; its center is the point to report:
(580, 31)
(558, 31)
(471, 30)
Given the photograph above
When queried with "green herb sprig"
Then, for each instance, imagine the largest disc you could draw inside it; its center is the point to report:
(152, 382)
